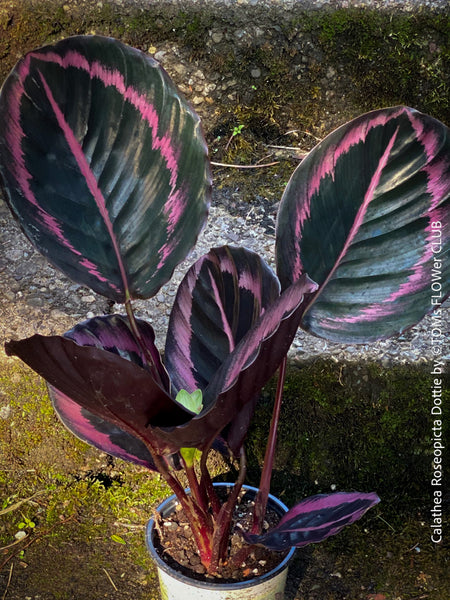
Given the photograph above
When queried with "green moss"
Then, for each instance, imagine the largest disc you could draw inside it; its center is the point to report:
(356, 426)
(391, 58)
(156, 24)
(76, 498)
(400, 563)
(381, 58)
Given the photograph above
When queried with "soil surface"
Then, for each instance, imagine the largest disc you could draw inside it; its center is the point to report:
(175, 545)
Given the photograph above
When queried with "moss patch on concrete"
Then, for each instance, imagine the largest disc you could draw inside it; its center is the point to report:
(84, 513)
(391, 57)
(344, 427)
(359, 426)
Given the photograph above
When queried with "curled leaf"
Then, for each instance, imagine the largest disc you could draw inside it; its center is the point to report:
(191, 401)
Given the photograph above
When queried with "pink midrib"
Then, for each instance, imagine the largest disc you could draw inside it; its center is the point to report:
(175, 204)
(359, 219)
(436, 188)
(85, 170)
(326, 166)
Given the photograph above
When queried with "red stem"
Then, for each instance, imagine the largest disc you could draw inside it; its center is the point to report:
(207, 485)
(195, 505)
(264, 486)
(223, 522)
(197, 491)
(199, 520)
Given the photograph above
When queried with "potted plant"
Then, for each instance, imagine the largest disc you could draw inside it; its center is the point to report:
(105, 167)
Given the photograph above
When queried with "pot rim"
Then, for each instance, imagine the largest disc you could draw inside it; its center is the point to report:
(214, 585)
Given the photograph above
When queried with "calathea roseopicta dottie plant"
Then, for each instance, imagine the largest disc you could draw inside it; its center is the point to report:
(105, 167)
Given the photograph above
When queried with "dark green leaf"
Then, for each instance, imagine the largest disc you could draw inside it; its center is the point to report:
(104, 164)
(366, 215)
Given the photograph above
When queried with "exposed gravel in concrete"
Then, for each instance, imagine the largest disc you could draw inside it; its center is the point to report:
(309, 4)
(35, 298)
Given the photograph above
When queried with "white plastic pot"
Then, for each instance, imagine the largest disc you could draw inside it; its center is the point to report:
(176, 586)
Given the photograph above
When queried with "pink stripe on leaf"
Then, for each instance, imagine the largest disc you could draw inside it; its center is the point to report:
(85, 170)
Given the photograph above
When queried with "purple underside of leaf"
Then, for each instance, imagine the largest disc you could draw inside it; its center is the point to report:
(235, 433)
(246, 370)
(315, 519)
(359, 217)
(108, 386)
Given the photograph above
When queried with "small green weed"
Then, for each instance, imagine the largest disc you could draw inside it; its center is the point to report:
(26, 523)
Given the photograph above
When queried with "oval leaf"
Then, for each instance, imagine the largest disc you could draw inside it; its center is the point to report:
(99, 432)
(104, 164)
(245, 371)
(219, 300)
(111, 333)
(314, 519)
(192, 402)
(366, 215)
